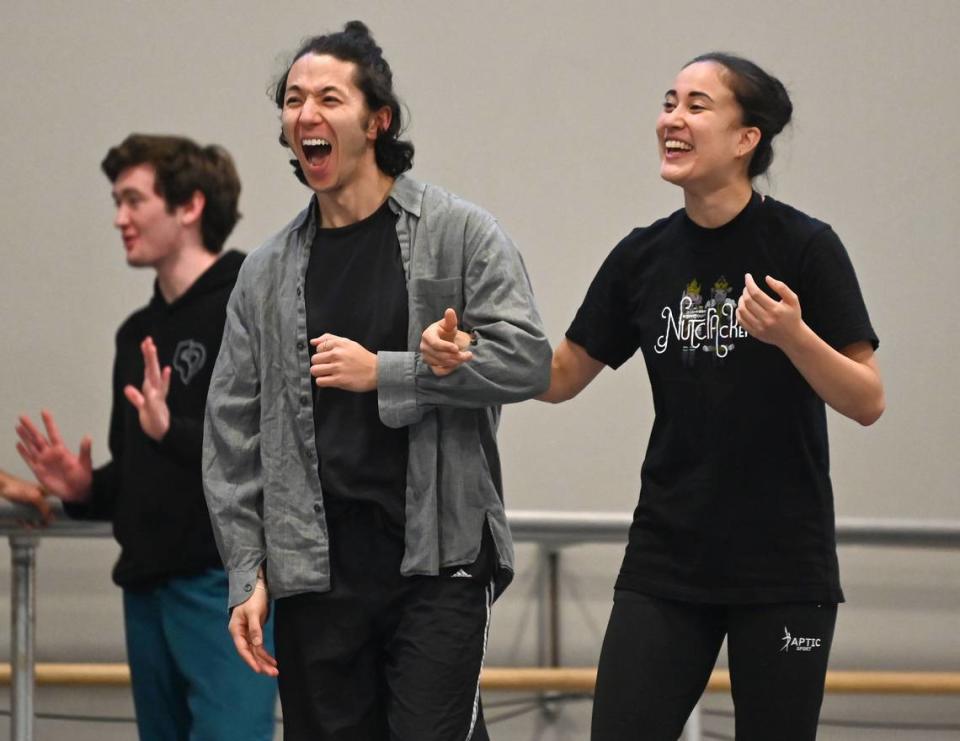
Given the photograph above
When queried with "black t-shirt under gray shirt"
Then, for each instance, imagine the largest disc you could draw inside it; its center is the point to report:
(736, 504)
(356, 288)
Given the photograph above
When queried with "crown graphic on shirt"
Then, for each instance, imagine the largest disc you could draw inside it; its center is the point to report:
(721, 284)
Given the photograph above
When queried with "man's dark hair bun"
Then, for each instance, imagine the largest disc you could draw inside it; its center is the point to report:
(358, 28)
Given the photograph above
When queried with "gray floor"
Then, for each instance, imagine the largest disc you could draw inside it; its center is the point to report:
(565, 721)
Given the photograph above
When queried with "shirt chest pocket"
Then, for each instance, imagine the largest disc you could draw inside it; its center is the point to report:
(432, 296)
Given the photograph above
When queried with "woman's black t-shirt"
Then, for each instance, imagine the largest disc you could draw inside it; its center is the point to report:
(736, 504)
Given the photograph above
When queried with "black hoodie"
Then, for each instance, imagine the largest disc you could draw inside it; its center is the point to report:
(153, 492)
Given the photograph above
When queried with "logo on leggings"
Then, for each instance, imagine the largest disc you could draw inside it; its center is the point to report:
(188, 359)
(798, 644)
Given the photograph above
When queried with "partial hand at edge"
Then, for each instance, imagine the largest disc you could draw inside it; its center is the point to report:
(16, 489)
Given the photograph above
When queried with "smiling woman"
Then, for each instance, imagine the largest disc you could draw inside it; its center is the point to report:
(716, 131)
(733, 535)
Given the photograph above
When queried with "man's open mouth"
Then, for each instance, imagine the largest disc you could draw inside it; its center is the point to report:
(316, 149)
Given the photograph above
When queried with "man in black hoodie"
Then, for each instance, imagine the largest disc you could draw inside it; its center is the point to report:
(176, 203)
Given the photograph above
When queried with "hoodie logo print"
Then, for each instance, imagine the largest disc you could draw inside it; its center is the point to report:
(188, 359)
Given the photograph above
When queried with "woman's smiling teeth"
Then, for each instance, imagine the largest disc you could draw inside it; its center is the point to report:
(675, 145)
(315, 149)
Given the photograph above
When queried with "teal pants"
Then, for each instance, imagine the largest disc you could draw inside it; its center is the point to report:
(188, 682)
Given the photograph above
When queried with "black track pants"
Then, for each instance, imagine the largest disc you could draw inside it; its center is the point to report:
(382, 657)
(658, 654)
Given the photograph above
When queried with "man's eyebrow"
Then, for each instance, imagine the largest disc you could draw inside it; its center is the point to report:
(295, 88)
(124, 193)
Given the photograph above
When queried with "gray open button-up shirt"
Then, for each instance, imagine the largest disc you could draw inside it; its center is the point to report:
(259, 453)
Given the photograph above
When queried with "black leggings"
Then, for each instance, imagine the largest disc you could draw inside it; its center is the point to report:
(658, 654)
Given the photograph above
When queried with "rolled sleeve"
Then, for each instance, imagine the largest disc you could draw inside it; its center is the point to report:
(396, 395)
(511, 355)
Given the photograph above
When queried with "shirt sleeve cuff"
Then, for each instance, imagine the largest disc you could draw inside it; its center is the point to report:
(241, 584)
(396, 388)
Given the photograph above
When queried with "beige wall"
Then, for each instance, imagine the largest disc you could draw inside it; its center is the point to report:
(542, 112)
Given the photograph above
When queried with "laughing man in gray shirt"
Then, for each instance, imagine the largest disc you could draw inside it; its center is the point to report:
(348, 481)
